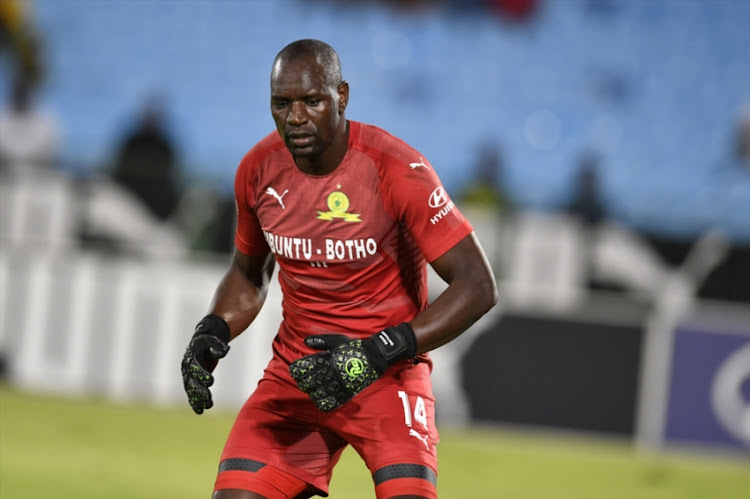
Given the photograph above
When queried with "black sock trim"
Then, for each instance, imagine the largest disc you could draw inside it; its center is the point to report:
(404, 470)
(239, 464)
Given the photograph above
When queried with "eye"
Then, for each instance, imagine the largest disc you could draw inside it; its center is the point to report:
(280, 104)
(312, 102)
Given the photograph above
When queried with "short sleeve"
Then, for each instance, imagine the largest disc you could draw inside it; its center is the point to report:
(248, 236)
(420, 200)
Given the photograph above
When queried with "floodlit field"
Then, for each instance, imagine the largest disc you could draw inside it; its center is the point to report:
(62, 448)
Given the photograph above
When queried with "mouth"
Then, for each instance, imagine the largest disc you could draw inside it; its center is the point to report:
(299, 137)
(301, 140)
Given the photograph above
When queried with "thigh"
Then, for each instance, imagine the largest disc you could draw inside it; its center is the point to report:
(393, 429)
(277, 430)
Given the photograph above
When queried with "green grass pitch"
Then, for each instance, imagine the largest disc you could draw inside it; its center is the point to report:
(65, 448)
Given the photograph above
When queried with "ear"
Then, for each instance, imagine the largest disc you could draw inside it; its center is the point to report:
(343, 91)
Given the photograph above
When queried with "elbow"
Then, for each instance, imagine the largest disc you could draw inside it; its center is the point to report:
(485, 295)
(494, 295)
(490, 294)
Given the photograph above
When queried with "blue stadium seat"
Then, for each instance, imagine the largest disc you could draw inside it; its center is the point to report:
(667, 78)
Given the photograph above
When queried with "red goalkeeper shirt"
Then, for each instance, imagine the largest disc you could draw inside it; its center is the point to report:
(351, 246)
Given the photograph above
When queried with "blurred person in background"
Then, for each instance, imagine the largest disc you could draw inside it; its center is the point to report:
(486, 190)
(612, 256)
(515, 10)
(29, 135)
(132, 209)
(743, 139)
(147, 164)
(351, 215)
(587, 207)
(20, 41)
(587, 202)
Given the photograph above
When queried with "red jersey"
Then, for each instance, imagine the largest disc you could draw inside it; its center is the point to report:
(351, 246)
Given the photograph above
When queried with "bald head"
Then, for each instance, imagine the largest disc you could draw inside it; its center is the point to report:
(310, 53)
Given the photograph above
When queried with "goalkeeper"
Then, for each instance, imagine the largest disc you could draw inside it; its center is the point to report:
(351, 215)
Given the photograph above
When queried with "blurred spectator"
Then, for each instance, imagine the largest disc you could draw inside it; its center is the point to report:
(587, 206)
(29, 136)
(146, 163)
(586, 203)
(486, 190)
(743, 139)
(133, 210)
(19, 40)
(516, 10)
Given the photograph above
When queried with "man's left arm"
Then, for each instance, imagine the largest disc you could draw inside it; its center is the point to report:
(471, 293)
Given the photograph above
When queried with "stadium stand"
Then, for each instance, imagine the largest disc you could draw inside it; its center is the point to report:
(654, 87)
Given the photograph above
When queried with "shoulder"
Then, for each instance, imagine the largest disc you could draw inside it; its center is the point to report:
(383, 147)
(257, 161)
(261, 153)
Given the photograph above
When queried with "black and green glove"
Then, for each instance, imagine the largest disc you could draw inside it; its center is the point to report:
(349, 366)
(208, 344)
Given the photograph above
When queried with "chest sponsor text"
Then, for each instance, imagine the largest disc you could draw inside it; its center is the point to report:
(328, 249)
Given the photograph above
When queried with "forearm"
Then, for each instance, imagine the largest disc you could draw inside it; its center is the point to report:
(237, 300)
(470, 294)
(452, 313)
(242, 291)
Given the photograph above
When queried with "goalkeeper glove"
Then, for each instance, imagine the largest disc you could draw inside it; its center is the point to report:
(349, 366)
(207, 346)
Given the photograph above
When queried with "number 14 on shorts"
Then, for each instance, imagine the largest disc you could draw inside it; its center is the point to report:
(420, 413)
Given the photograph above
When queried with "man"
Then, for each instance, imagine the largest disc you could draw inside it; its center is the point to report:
(29, 135)
(146, 163)
(350, 214)
(743, 139)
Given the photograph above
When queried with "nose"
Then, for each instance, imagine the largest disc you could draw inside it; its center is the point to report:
(297, 114)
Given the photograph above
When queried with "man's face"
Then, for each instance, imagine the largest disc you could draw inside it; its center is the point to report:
(306, 108)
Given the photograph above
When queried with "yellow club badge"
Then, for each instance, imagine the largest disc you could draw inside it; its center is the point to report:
(338, 203)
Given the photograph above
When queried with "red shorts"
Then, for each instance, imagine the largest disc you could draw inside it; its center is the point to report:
(391, 425)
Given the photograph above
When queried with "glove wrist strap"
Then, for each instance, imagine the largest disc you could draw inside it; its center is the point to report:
(215, 326)
(396, 343)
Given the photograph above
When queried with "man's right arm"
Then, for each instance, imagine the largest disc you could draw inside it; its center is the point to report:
(242, 291)
(237, 301)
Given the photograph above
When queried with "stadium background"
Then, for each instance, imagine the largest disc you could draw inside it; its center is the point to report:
(631, 322)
